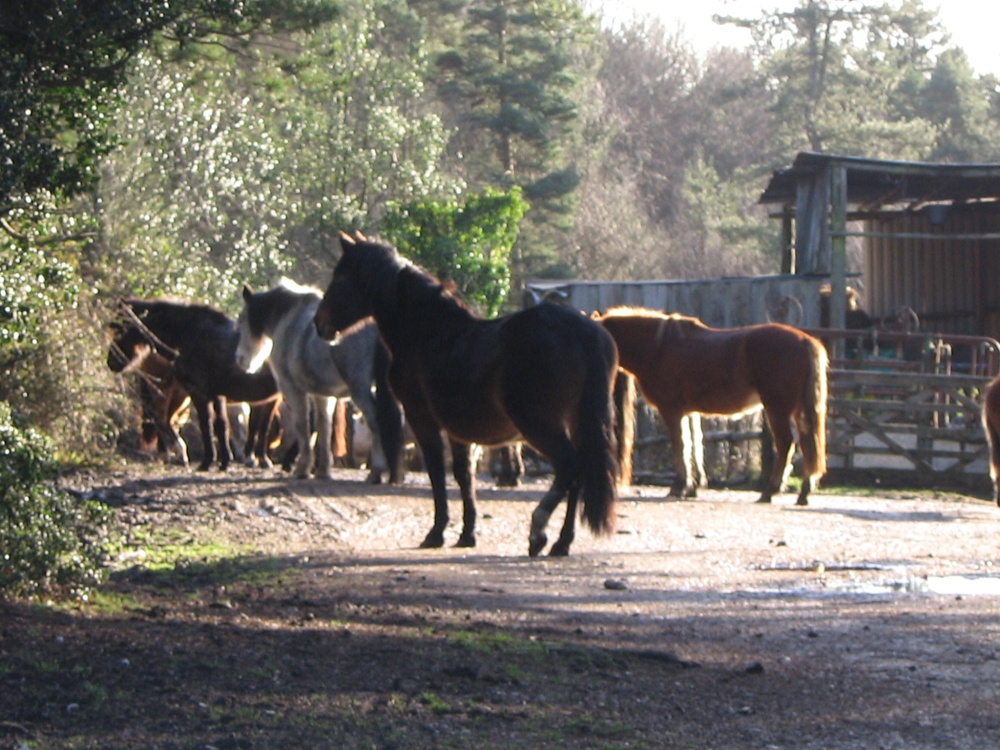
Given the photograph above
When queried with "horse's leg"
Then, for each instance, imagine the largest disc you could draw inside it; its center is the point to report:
(464, 470)
(699, 477)
(807, 446)
(202, 407)
(176, 445)
(261, 417)
(784, 442)
(511, 465)
(557, 447)
(221, 427)
(361, 395)
(537, 538)
(428, 436)
(323, 407)
(171, 440)
(568, 533)
(298, 410)
(679, 487)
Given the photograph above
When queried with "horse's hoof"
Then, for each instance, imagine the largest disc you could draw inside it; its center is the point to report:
(802, 501)
(374, 477)
(466, 540)
(559, 550)
(764, 500)
(203, 467)
(536, 544)
(434, 540)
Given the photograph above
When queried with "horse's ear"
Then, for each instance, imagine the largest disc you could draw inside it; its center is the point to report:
(247, 291)
(360, 237)
(346, 241)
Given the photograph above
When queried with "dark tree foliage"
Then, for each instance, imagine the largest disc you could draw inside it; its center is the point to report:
(62, 62)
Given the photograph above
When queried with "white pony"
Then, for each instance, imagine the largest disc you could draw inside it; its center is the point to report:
(277, 325)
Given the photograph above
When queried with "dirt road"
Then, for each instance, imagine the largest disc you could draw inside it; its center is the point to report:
(300, 614)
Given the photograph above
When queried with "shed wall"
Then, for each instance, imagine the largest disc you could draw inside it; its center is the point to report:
(950, 279)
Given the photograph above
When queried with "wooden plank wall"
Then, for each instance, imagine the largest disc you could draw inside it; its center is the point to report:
(952, 284)
(717, 302)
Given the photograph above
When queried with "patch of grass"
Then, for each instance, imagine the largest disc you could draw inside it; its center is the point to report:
(604, 729)
(515, 673)
(434, 702)
(500, 643)
(94, 694)
(43, 667)
(110, 602)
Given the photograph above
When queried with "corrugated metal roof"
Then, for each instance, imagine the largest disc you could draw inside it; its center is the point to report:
(874, 183)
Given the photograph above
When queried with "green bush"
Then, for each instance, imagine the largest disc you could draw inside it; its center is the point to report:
(50, 541)
(468, 242)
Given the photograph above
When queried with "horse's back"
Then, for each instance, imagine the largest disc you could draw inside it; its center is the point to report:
(553, 348)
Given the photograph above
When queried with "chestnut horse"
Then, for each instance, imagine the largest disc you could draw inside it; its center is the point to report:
(544, 374)
(684, 366)
(161, 400)
(991, 423)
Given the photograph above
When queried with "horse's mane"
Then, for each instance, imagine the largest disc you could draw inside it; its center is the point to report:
(296, 288)
(388, 269)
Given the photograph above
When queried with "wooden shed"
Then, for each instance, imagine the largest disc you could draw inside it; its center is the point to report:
(929, 235)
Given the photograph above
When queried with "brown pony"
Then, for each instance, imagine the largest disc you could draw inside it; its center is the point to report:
(991, 423)
(161, 398)
(683, 367)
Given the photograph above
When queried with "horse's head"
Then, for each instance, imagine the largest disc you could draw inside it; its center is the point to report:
(128, 346)
(350, 297)
(254, 345)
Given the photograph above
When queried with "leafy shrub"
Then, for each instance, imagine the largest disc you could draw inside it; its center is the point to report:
(49, 540)
(467, 242)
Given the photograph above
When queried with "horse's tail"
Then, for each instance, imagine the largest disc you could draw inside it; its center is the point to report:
(625, 396)
(388, 415)
(595, 438)
(991, 417)
(993, 438)
(813, 438)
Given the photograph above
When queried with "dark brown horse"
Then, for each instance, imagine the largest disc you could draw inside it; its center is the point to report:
(991, 423)
(200, 342)
(683, 366)
(544, 374)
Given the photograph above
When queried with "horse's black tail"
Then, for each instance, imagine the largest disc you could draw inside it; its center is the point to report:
(389, 415)
(595, 437)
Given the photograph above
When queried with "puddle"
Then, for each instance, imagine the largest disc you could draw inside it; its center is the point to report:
(937, 585)
(900, 579)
